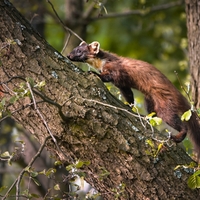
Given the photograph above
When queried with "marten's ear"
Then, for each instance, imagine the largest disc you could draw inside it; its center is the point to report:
(95, 47)
(82, 43)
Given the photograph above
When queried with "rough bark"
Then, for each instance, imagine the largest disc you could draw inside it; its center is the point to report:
(84, 129)
(193, 25)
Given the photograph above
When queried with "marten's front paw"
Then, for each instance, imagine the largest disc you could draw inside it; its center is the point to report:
(132, 105)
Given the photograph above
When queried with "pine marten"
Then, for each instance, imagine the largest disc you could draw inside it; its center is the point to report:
(160, 94)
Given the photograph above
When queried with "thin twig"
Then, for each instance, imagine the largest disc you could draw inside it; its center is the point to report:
(40, 115)
(17, 181)
(66, 43)
(61, 22)
(139, 12)
(182, 87)
(115, 107)
(44, 121)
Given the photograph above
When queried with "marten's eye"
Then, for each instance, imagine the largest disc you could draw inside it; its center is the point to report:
(78, 51)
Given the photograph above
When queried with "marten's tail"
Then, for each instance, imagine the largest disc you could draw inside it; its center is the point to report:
(194, 126)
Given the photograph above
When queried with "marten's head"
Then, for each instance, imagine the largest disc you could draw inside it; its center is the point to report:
(89, 53)
(84, 52)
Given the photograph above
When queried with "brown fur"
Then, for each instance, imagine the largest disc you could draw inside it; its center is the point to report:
(160, 94)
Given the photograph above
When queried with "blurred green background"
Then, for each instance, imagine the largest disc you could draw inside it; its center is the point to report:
(159, 37)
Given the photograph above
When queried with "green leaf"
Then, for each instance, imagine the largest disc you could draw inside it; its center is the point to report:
(5, 154)
(160, 146)
(2, 188)
(80, 164)
(148, 153)
(56, 187)
(155, 121)
(33, 174)
(186, 115)
(34, 195)
(3, 102)
(158, 150)
(13, 99)
(31, 81)
(29, 195)
(150, 143)
(151, 115)
(104, 173)
(69, 167)
(9, 162)
(43, 172)
(36, 181)
(50, 171)
(57, 163)
(41, 84)
(28, 169)
(77, 165)
(194, 180)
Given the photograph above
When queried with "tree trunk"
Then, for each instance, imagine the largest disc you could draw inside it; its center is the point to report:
(77, 108)
(193, 25)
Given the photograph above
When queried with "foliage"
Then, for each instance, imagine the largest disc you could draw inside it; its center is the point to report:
(154, 121)
(186, 115)
(194, 180)
(154, 150)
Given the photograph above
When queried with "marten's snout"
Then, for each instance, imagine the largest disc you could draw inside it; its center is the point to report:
(76, 56)
(70, 57)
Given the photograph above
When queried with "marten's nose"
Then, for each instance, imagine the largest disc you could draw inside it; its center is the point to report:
(69, 56)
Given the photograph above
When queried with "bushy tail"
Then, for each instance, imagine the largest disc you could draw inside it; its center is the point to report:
(194, 126)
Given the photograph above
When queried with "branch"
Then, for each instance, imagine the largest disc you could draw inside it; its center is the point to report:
(144, 12)
(61, 22)
(48, 100)
(43, 120)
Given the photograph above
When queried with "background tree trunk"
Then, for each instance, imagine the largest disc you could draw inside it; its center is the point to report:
(193, 25)
(74, 20)
(73, 105)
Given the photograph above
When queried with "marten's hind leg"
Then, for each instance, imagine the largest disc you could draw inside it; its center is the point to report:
(128, 94)
(169, 116)
(175, 122)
